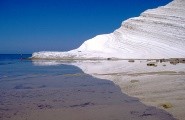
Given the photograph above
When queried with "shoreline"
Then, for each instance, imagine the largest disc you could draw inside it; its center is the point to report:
(72, 95)
(178, 60)
(161, 86)
(105, 86)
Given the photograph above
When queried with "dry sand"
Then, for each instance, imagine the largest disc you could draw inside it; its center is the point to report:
(161, 86)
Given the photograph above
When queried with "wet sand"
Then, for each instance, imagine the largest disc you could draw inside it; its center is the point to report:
(161, 86)
(70, 96)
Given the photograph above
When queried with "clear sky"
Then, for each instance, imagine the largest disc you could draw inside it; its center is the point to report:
(28, 26)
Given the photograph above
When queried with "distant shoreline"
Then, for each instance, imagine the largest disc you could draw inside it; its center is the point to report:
(66, 59)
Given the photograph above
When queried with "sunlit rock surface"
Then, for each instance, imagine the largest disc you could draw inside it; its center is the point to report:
(156, 33)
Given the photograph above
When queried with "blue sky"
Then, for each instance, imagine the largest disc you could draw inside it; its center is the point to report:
(27, 26)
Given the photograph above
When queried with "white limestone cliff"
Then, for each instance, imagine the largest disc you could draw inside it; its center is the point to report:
(156, 33)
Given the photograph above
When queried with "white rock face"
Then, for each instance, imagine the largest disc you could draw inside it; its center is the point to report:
(156, 33)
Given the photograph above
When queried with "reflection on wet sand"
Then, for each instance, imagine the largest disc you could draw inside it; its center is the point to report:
(161, 85)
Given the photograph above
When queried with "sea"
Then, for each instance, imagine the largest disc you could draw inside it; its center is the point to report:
(15, 66)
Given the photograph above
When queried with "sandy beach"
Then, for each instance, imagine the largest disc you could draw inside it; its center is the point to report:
(161, 86)
(70, 96)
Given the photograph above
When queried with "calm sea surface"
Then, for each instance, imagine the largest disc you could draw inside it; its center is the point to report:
(15, 66)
